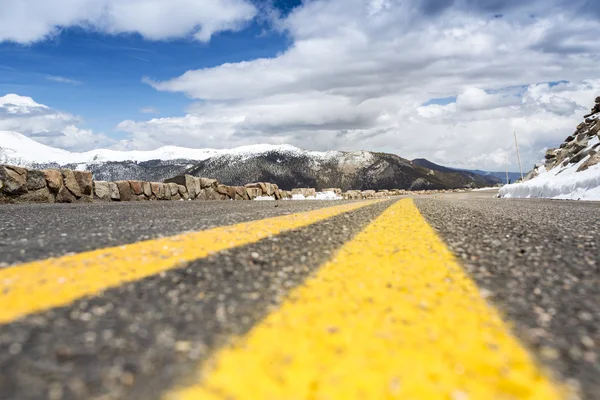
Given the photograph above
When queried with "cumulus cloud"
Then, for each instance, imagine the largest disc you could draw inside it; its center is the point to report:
(358, 73)
(28, 21)
(47, 125)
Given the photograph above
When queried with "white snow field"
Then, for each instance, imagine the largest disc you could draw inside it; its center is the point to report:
(558, 183)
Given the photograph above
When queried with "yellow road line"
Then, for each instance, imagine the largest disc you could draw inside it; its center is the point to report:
(392, 316)
(41, 285)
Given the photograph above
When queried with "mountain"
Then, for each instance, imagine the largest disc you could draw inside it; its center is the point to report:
(291, 167)
(512, 176)
(571, 171)
(111, 165)
(287, 166)
(491, 178)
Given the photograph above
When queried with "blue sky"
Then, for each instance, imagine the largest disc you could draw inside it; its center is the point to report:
(106, 71)
(449, 80)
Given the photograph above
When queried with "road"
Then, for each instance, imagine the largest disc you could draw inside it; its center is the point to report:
(294, 300)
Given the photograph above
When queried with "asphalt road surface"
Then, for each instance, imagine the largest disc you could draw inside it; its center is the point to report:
(99, 300)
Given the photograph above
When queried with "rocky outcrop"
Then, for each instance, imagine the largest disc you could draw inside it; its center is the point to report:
(580, 145)
(48, 186)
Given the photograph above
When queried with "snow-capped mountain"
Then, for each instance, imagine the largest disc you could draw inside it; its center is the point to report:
(285, 165)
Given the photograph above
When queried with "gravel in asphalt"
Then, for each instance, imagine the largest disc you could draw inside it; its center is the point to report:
(137, 340)
(538, 261)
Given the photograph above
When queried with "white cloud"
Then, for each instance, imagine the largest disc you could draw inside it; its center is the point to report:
(358, 72)
(28, 21)
(46, 125)
(60, 79)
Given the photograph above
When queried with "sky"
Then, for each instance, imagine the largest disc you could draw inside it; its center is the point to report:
(446, 80)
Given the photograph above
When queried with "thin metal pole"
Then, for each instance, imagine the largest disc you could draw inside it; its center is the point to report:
(506, 163)
(518, 155)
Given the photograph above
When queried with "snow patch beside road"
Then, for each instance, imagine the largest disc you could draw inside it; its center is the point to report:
(558, 183)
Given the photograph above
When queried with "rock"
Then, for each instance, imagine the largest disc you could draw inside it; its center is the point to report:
(71, 182)
(85, 182)
(206, 183)
(182, 190)
(14, 183)
(593, 160)
(570, 138)
(147, 189)
(158, 190)
(222, 189)
(173, 190)
(102, 190)
(35, 180)
(64, 195)
(137, 187)
(241, 193)
(192, 184)
(253, 192)
(211, 194)
(41, 195)
(125, 193)
(270, 189)
(580, 156)
(114, 191)
(201, 196)
(54, 179)
(550, 154)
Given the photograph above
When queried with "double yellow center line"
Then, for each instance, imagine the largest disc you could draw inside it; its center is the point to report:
(391, 316)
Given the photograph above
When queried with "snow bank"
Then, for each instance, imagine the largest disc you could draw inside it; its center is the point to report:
(559, 183)
(319, 196)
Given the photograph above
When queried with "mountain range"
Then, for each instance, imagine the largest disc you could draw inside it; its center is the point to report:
(287, 166)
(499, 177)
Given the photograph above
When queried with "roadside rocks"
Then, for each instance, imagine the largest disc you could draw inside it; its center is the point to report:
(576, 147)
(20, 185)
(47, 186)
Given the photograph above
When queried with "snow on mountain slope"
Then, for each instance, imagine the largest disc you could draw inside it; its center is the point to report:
(18, 149)
(571, 171)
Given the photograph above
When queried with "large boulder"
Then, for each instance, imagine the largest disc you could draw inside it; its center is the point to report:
(114, 191)
(35, 180)
(54, 179)
(85, 182)
(147, 189)
(124, 190)
(14, 180)
(102, 191)
(64, 195)
(137, 187)
(192, 184)
(206, 183)
(71, 182)
(590, 162)
(41, 195)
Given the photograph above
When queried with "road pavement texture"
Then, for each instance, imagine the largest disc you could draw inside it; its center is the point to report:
(301, 300)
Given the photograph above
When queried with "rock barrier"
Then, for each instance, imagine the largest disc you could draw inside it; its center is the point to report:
(21, 185)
